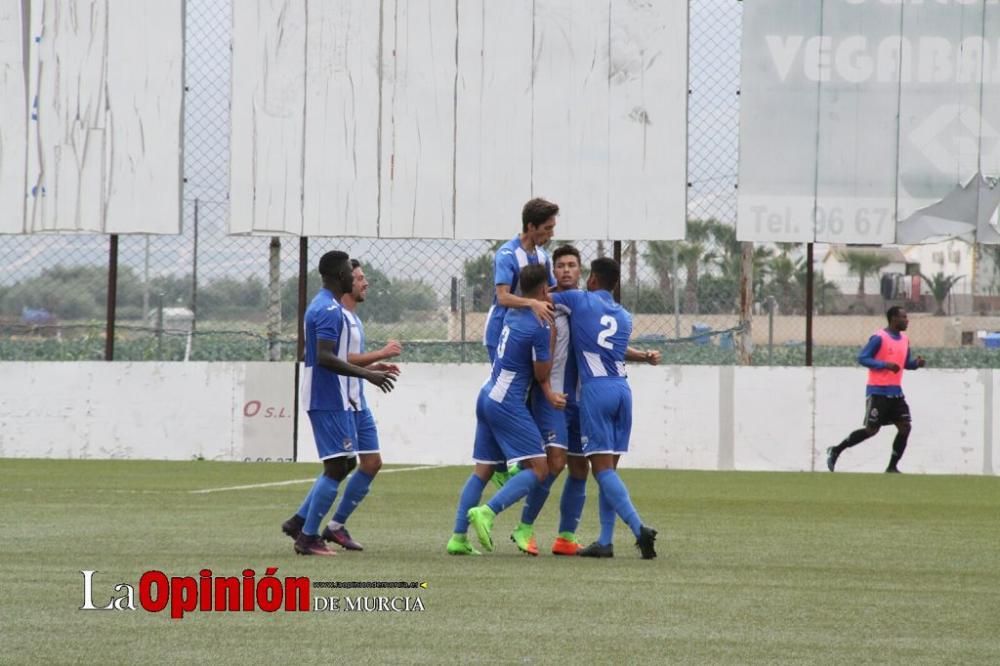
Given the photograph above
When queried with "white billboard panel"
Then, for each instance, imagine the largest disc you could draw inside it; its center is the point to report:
(463, 110)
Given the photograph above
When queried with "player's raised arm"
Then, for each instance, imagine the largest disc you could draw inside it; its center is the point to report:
(542, 309)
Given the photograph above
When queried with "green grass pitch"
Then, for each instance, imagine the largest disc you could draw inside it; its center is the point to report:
(753, 568)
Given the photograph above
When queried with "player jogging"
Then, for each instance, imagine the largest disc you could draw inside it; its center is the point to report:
(599, 332)
(369, 458)
(333, 423)
(505, 431)
(886, 355)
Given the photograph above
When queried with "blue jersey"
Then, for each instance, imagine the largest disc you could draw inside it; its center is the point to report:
(523, 340)
(507, 265)
(323, 388)
(599, 332)
(354, 342)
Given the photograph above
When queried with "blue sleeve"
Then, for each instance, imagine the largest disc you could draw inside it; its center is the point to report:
(568, 299)
(329, 323)
(867, 355)
(541, 343)
(911, 363)
(504, 267)
(552, 275)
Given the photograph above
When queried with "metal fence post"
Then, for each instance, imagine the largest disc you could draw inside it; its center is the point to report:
(109, 330)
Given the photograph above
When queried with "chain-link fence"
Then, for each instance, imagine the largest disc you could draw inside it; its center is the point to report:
(203, 295)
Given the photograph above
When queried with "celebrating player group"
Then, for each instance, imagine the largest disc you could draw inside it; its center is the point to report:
(557, 397)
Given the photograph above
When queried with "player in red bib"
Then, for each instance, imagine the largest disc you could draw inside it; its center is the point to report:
(886, 355)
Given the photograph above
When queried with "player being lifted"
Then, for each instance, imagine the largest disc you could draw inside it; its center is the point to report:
(599, 333)
(561, 429)
(324, 389)
(505, 431)
(369, 458)
(538, 223)
(886, 355)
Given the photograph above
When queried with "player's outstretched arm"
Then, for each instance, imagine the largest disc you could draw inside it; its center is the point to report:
(651, 356)
(326, 356)
(391, 349)
(542, 309)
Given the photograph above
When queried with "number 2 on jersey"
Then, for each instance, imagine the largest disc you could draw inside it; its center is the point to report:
(610, 325)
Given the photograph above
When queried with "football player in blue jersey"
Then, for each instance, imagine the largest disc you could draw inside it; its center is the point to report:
(561, 429)
(599, 334)
(538, 223)
(505, 430)
(328, 402)
(369, 457)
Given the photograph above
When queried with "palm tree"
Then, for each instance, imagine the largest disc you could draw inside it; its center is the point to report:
(864, 264)
(729, 255)
(690, 254)
(783, 271)
(940, 286)
(660, 257)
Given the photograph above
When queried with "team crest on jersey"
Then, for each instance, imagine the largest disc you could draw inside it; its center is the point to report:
(348, 444)
(874, 412)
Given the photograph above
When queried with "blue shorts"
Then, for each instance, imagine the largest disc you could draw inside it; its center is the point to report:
(336, 434)
(605, 416)
(367, 432)
(551, 422)
(505, 432)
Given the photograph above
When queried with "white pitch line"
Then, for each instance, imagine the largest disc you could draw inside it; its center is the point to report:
(296, 481)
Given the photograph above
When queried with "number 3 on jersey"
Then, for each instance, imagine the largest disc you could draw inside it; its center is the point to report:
(503, 341)
(610, 325)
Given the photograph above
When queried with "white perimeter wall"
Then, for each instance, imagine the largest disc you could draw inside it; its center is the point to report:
(686, 417)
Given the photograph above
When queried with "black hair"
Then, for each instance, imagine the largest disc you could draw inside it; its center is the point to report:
(565, 251)
(332, 263)
(607, 271)
(892, 313)
(532, 277)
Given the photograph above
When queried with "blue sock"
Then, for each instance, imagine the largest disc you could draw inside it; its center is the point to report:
(614, 488)
(357, 488)
(472, 492)
(304, 509)
(574, 495)
(323, 494)
(607, 517)
(512, 491)
(536, 500)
